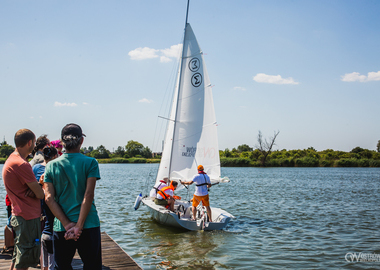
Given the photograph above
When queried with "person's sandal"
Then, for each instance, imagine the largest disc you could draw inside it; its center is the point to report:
(8, 250)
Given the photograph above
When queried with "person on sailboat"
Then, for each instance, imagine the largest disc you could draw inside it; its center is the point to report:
(158, 186)
(203, 182)
(165, 196)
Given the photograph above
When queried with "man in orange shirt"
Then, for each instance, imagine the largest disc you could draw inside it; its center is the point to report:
(25, 194)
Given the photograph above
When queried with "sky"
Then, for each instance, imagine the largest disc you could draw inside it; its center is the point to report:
(309, 69)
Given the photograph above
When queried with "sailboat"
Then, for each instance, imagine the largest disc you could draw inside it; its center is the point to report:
(190, 140)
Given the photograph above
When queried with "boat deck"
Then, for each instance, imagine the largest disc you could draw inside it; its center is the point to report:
(113, 256)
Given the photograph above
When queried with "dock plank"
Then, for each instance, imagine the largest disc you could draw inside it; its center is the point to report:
(113, 257)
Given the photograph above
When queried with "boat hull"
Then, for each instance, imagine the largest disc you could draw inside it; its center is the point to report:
(182, 217)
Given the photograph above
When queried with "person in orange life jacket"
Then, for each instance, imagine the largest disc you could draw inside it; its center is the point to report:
(165, 196)
(158, 186)
(202, 181)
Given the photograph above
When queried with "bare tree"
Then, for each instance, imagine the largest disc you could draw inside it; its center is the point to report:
(265, 146)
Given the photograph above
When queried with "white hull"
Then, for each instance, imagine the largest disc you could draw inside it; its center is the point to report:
(183, 219)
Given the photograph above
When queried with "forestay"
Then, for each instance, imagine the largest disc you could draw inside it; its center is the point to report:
(191, 136)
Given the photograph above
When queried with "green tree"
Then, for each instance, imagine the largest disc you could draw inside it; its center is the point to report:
(120, 151)
(146, 152)
(100, 152)
(133, 148)
(5, 149)
(227, 153)
(244, 148)
(378, 146)
(235, 153)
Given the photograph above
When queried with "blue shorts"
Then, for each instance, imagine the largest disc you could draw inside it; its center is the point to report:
(88, 246)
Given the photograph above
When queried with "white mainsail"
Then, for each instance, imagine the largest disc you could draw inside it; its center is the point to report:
(191, 137)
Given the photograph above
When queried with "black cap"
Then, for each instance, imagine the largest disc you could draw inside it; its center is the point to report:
(71, 131)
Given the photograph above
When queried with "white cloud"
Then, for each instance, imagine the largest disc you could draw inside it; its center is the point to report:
(145, 100)
(356, 77)
(164, 59)
(172, 52)
(165, 55)
(275, 79)
(143, 53)
(238, 88)
(85, 103)
(59, 104)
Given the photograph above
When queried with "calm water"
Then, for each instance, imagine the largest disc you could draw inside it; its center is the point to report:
(286, 218)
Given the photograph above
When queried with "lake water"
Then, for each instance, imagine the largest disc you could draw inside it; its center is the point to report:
(286, 218)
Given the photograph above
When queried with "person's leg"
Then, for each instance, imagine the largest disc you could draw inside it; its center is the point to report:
(64, 251)
(27, 242)
(46, 250)
(209, 213)
(8, 238)
(194, 206)
(206, 203)
(171, 204)
(90, 249)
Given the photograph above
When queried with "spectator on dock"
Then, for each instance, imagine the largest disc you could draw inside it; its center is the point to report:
(25, 194)
(70, 187)
(58, 144)
(42, 141)
(47, 258)
(8, 233)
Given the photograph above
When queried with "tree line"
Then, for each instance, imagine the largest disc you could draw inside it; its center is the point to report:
(242, 156)
(245, 156)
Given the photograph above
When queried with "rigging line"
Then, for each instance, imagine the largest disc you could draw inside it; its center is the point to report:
(166, 118)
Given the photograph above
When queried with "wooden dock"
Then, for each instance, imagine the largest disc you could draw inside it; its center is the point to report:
(113, 257)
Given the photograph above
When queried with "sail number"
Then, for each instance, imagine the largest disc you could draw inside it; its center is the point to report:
(194, 65)
(196, 80)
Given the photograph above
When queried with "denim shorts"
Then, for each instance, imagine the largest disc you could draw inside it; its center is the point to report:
(27, 248)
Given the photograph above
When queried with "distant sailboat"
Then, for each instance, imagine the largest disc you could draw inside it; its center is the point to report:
(191, 139)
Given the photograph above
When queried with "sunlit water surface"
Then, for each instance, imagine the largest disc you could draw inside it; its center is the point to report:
(286, 218)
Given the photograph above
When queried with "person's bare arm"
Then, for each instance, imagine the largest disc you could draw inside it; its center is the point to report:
(89, 195)
(186, 182)
(36, 189)
(55, 208)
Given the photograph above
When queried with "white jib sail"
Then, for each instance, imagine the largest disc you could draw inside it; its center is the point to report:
(191, 137)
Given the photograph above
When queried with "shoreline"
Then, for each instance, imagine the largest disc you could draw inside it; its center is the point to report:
(273, 163)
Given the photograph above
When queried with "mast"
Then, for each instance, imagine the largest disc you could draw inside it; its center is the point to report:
(179, 84)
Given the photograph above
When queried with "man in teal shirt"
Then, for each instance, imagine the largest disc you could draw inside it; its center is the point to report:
(71, 181)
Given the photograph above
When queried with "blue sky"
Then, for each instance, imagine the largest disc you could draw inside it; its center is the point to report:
(310, 69)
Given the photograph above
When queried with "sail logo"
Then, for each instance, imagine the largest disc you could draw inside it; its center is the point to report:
(196, 80)
(190, 152)
(194, 64)
(199, 152)
(362, 257)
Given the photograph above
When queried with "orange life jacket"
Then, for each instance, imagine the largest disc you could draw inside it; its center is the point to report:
(163, 194)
